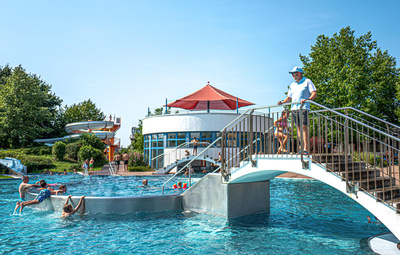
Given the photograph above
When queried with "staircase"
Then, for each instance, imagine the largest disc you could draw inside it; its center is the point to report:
(384, 188)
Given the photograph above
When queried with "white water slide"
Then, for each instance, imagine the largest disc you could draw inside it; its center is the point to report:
(76, 128)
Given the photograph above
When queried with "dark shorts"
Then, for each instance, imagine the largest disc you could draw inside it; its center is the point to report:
(296, 117)
(117, 162)
(194, 146)
(125, 162)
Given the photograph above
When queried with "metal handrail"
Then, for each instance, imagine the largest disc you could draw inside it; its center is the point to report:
(112, 172)
(356, 121)
(176, 148)
(363, 113)
(219, 138)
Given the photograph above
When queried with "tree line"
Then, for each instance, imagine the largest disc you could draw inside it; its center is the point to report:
(29, 110)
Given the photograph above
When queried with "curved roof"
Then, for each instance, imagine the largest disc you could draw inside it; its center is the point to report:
(209, 97)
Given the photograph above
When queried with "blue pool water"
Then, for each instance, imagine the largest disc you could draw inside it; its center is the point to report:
(307, 217)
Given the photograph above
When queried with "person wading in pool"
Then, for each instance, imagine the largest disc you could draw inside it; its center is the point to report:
(195, 144)
(301, 90)
(68, 210)
(24, 186)
(91, 163)
(43, 194)
(125, 158)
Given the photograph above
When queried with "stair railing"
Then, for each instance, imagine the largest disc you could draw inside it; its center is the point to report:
(379, 123)
(375, 171)
(176, 154)
(188, 165)
(167, 154)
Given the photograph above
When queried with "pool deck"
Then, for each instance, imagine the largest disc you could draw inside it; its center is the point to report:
(105, 170)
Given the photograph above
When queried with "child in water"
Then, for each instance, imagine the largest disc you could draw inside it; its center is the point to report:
(68, 210)
(43, 194)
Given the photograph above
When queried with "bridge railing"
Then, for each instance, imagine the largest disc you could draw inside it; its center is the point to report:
(363, 155)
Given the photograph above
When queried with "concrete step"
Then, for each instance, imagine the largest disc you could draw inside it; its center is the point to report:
(329, 158)
(341, 166)
(361, 174)
(387, 193)
(373, 184)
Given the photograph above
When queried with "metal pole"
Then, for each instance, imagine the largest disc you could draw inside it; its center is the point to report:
(166, 102)
(190, 175)
(237, 105)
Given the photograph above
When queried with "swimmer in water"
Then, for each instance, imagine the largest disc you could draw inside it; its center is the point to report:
(24, 186)
(43, 194)
(145, 182)
(68, 210)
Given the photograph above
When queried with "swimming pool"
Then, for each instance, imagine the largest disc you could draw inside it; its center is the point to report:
(307, 217)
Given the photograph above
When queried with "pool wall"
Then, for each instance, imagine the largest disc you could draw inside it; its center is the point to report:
(117, 205)
(210, 195)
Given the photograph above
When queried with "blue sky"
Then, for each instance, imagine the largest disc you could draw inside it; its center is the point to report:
(130, 55)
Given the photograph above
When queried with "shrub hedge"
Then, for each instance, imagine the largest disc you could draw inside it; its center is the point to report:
(58, 150)
(32, 162)
(71, 150)
(86, 152)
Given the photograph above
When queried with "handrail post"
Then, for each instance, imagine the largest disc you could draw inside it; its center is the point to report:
(223, 153)
(190, 175)
(346, 152)
(250, 140)
(304, 163)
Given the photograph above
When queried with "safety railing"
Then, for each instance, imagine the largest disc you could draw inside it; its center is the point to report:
(369, 119)
(111, 169)
(182, 151)
(188, 165)
(362, 155)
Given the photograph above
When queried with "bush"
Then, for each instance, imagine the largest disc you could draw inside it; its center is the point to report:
(86, 152)
(75, 166)
(58, 151)
(136, 159)
(87, 139)
(317, 145)
(33, 163)
(38, 151)
(71, 150)
(139, 168)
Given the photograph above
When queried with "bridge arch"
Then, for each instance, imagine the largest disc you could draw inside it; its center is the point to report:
(269, 166)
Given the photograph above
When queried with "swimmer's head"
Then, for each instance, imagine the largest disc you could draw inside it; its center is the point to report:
(144, 182)
(25, 179)
(68, 208)
(63, 188)
(179, 184)
(43, 183)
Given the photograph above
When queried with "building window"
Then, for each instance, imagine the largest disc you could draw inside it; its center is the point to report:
(175, 139)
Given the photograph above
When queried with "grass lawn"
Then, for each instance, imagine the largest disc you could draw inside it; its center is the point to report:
(5, 177)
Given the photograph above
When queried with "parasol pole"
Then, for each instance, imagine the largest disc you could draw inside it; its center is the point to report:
(237, 105)
(166, 102)
(208, 106)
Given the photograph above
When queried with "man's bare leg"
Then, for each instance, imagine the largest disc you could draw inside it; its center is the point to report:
(32, 202)
(17, 206)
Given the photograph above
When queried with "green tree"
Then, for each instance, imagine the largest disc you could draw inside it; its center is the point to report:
(137, 143)
(353, 72)
(83, 111)
(88, 139)
(28, 108)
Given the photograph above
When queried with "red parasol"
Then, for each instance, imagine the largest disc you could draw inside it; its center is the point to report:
(209, 97)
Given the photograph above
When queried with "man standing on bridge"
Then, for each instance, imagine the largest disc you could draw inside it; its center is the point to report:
(301, 90)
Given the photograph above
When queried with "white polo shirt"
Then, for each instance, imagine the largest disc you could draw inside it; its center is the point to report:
(301, 90)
